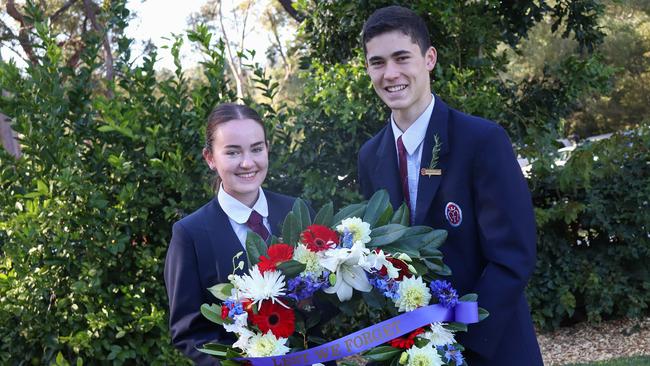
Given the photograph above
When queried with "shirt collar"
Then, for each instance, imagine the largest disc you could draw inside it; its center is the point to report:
(238, 211)
(414, 135)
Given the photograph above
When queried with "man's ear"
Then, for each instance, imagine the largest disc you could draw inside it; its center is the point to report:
(431, 57)
(207, 156)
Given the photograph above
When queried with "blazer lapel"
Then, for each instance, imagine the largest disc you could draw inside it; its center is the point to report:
(224, 242)
(428, 185)
(386, 171)
(276, 215)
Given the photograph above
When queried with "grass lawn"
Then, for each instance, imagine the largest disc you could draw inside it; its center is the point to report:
(632, 361)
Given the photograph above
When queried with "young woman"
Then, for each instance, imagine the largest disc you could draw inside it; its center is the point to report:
(204, 243)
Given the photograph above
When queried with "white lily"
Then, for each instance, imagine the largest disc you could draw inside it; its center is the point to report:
(349, 274)
(377, 260)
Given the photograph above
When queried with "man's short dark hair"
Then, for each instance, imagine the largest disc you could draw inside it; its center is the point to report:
(392, 18)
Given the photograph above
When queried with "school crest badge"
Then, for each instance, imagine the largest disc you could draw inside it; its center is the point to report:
(454, 214)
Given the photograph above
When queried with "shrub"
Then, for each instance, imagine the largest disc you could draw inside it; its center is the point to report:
(87, 211)
(593, 232)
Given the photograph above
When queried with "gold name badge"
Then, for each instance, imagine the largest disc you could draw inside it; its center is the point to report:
(430, 172)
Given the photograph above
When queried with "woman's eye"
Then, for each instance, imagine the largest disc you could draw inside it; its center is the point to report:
(232, 153)
(258, 149)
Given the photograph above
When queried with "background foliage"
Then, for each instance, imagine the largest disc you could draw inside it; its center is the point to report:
(112, 156)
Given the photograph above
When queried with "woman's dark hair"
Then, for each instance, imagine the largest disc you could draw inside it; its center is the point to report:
(227, 112)
(392, 18)
(224, 113)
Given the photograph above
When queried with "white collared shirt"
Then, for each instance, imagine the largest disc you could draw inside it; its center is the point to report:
(412, 139)
(238, 213)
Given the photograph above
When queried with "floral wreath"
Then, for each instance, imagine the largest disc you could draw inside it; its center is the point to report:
(365, 252)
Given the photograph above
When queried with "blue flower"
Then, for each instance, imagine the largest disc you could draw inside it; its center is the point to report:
(386, 286)
(445, 293)
(303, 287)
(451, 353)
(348, 239)
(234, 308)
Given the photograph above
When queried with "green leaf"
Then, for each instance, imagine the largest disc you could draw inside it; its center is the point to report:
(382, 353)
(255, 247)
(482, 314)
(401, 216)
(316, 340)
(325, 215)
(374, 299)
(386, 234)
(215, 349)
(291, 268)
(456, 327)
(221, 291)
(301, 211)
(231, 362)
(414, 237)
(353, 210)
(291, 229)
(212, 313)
(105, 128)
(469, 298)
(60, 360)
(377, 207)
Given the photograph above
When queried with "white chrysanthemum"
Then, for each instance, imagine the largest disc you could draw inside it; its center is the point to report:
(360, 230)
(308, 258)
(258, 286)
(266, 345)
(413, 294)
(439, 335)
(425, 356)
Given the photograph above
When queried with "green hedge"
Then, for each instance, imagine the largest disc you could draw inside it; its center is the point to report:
(87, 211)
(593, 222)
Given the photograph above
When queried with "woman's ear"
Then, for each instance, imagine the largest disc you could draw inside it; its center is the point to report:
(207, 156)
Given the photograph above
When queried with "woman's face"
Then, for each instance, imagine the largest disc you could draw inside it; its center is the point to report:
(241, 158)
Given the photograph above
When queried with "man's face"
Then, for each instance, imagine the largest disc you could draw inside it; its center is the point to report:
(400, 73)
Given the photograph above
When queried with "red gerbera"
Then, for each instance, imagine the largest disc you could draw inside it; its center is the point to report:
(319, 238)
(276, 318)
(224, 311)
(277, 253)
(406, 342)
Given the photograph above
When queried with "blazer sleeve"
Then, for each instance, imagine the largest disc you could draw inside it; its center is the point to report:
(189, 329)
(506, 222)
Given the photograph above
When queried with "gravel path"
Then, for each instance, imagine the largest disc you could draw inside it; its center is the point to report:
(596, 342)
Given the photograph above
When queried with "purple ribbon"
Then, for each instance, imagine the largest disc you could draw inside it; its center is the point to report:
(373, 336)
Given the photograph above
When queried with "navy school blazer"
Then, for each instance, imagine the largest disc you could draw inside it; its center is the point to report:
(490, 247)
(200, 255)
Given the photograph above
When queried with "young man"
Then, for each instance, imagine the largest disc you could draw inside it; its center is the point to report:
(455, 172)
